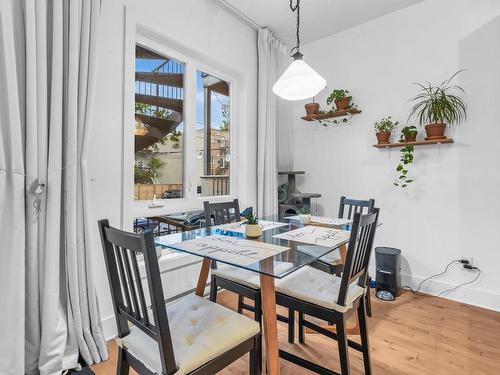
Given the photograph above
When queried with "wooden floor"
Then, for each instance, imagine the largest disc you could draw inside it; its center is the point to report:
(417, 334)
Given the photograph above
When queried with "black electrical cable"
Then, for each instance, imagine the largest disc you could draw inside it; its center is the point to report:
(431, 277)
(460, 285)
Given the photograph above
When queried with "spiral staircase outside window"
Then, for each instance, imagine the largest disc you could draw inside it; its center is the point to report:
(159, 130)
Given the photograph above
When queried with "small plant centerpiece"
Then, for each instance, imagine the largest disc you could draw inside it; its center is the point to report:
(252, 226)
(409, 134)
(341, 99)
(384, 128)
(312, 108)
(438, 106)
(304, 215)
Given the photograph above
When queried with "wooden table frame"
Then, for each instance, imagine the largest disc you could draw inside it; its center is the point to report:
(270, 322)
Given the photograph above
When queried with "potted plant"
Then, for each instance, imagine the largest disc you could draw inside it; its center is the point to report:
(384, 128)
(304, 215)
(312, 108)
(341, 99)
(409, 134)
(252, 226)
(437, 106)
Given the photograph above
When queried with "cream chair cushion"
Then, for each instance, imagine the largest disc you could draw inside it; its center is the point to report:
(245, 277)
(333, 257)
(201, 330)
(318, 287)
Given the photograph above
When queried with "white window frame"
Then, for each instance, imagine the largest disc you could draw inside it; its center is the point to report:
(136, 33)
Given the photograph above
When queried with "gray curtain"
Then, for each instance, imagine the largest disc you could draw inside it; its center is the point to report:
(274, 125)
(55, 83)
(12, 228)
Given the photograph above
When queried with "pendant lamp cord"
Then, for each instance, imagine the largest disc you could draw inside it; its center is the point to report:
(297, 9)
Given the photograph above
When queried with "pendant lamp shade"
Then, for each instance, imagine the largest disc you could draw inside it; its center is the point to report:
(299, 82)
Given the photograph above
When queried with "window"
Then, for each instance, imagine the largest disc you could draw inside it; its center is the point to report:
(213, 122)
(159, 126)
(179, 143)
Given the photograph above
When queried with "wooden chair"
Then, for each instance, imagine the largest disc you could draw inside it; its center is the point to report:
(328, 297)
(190, 336)
(333, 261)
(246, 284)
(353, 206)
(221, 213)
(224, 213)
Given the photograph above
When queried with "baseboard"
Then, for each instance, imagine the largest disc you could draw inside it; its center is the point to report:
(109, 327)
(465, 294)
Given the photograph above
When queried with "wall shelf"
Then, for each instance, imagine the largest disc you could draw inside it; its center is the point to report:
(324, 116)
(416, 143)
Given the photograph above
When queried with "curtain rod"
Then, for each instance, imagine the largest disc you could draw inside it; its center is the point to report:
(240, 14)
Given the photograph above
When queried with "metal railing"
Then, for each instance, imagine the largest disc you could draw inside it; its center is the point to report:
(155, 89)
(214, 185)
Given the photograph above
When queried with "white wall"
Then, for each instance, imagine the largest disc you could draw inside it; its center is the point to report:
(201, 26)
(451, 210)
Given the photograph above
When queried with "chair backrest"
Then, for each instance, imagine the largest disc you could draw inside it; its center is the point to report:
(358, 252)
(353, 206)
(120, 252)
(221, 213)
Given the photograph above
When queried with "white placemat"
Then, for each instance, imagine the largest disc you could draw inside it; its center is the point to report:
(323, 220)
(239, 226)
(313, 235)
(234, 250)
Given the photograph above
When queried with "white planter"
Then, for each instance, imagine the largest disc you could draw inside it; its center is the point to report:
(253, 230)
(305, 219)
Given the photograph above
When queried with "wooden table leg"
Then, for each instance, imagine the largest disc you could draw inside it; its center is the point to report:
(343, 253)
(202, 278)
(270, 323)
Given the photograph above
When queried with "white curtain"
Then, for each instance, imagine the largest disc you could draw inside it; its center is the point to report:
(45, 147)
(12, 228)
(274, 126)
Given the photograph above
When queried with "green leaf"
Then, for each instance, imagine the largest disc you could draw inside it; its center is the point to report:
(399, 167)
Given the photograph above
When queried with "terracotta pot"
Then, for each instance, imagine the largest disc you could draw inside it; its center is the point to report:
(435, 131)
(253, 230)
(412, 137)
(383, 137)
(343, 103)
(312, 108)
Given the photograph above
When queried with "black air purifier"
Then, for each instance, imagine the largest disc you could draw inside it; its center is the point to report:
(388, 262)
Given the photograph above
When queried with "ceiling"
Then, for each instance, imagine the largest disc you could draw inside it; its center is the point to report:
(319, 18)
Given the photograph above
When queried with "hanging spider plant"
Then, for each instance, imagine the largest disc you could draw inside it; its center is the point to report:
(437, 106)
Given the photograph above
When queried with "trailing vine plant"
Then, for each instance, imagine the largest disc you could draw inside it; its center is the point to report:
(402, 168)
(407, 133)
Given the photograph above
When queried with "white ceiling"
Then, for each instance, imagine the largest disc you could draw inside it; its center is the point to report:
(319, 18)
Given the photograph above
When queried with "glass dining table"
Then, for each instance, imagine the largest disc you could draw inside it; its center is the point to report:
(285, 241)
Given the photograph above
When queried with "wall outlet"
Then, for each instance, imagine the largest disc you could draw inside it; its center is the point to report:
(471, 262)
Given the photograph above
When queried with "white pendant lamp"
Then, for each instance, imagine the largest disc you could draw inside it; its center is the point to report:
(299, 81)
